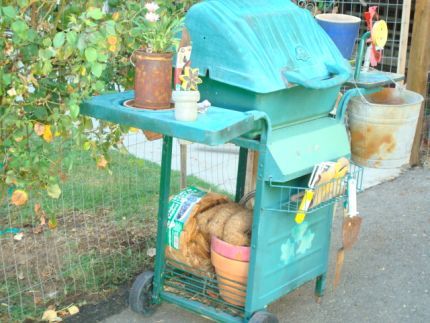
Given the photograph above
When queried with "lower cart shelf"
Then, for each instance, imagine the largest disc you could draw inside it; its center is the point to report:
(196, 285)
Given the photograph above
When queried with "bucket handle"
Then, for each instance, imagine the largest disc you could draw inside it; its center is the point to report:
(131, 58)
(338, 77)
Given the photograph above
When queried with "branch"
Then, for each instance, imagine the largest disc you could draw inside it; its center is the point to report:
(59, 14)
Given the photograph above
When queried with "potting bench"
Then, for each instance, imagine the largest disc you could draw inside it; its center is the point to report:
(276, 82)
(274, 270)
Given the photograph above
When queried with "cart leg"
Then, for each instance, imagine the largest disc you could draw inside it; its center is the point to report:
(241, 173)
(320, 287)
(260, 192)
(163, 207)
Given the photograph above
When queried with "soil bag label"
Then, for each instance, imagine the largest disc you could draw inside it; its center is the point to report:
(180, 208)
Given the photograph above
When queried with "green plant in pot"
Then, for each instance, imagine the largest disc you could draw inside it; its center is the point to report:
(156, 28)
(187, 95)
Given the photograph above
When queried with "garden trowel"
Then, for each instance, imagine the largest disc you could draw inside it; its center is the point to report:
(350, 228)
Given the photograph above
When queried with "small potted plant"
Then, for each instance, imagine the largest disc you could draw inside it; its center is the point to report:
(187, 95)
(153, 61)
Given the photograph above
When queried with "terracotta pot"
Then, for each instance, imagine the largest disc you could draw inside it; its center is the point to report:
(153, 80)
(230, 251)
(232, 276)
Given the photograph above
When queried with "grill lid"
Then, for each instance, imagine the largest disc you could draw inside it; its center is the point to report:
(263, 46)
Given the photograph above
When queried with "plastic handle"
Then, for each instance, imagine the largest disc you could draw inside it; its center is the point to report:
(338, 77)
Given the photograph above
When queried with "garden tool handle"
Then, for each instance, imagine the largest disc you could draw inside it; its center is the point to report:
(341, 167)
(338, 77)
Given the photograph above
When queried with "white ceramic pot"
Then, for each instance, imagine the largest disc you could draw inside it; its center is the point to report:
(186, 105)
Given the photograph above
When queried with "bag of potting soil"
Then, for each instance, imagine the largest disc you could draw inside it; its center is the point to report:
(180, 208)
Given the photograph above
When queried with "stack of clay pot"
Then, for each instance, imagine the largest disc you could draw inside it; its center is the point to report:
(217, 236)
(231, 265)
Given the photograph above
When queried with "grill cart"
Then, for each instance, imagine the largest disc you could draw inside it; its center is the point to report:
(273, 76)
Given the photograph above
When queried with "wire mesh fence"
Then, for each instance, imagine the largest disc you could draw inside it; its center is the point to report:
(98, 234)
(389, 10)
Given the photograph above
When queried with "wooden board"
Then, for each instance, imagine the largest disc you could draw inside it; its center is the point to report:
(251, 171)
(418, 67)
(404, 36)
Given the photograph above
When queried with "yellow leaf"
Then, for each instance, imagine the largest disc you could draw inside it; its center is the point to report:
(73, 310)
(19, 139)
(112, 40)
(40, 214)
(18, 236)
(70, 89)
(112, 48)
(54, 191)
(102, 162)
(39, 128)
(19, 198)
(37, 208)
(50, 316)
(52, 224)
(134, 130)
(115, 16)
(12, 92)
(47, 134)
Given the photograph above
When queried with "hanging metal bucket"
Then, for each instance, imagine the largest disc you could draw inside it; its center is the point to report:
(153, 80)
(383, 126)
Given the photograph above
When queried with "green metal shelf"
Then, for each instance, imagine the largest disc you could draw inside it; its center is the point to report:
(214, 127)
(375, 79)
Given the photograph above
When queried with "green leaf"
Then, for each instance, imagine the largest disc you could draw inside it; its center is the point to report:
(102, 57)
(110, 27)
(47, 42)
(82, 43)
(72, 38)
(97, 69)
(59, 39)
(87, 145)
(91, 54)
(95, 13)
(46, 68)
(29, 51)
(99, 86)
(19, 26)
(7, 79)
(54, 191)
(46, 53)
(9, 11)
(74, 110)
(23, 3)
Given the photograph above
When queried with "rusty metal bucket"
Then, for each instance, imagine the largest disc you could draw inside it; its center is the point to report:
(383, 127)
(153, 80)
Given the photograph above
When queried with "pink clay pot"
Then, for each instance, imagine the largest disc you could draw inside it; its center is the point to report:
(230, 251)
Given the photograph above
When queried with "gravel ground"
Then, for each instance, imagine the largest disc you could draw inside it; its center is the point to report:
(386, 277)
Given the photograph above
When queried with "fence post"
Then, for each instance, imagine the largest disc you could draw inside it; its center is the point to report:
(404, 36)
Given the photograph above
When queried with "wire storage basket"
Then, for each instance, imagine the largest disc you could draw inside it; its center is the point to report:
(198, 285)
(321, 196)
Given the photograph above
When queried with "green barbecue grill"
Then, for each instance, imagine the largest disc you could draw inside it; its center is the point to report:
(273, 76)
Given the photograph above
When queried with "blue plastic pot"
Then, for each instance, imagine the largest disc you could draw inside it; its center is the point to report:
(342, 29)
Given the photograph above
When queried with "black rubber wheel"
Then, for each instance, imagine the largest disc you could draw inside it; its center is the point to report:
(140, 298)
(263, 317)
